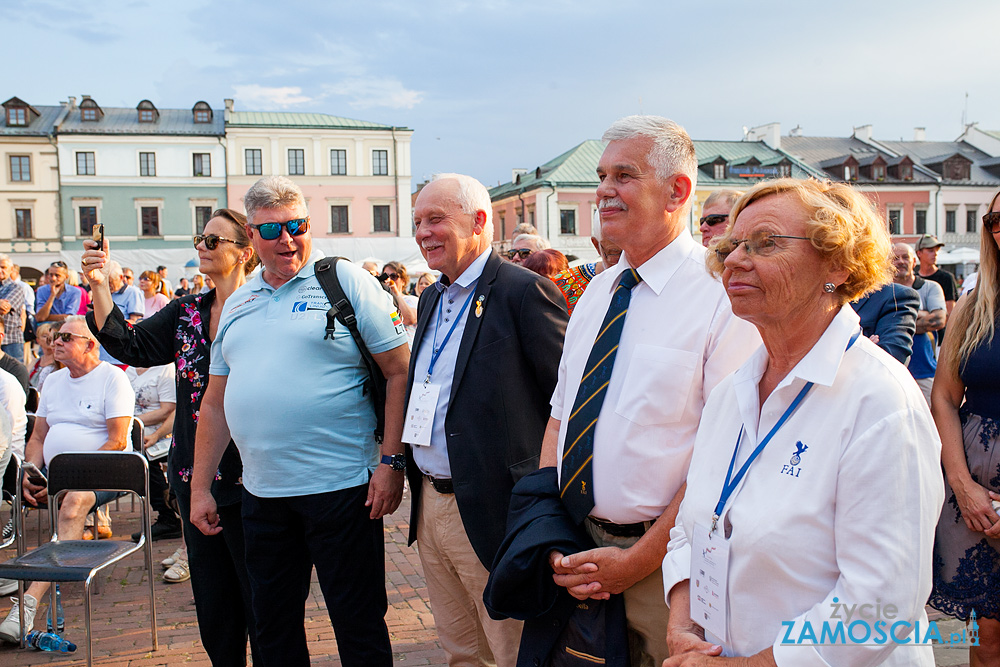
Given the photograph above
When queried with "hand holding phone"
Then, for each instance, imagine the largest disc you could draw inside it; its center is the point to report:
(34, 475)
(98, 235)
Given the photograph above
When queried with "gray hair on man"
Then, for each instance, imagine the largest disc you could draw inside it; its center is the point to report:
(537, 241)
(114, 269)
(724, 196)
(672, 151)
(82, 319)
(472, 196)
(272, 192)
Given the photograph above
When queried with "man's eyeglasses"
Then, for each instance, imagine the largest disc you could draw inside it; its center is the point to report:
(991, 221)
(66, 336)
(761, 246)
(272, 230)
(713, 220)
(212, 240)
(520, 252)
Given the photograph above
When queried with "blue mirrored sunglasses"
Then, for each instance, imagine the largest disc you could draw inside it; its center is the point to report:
(272, 230)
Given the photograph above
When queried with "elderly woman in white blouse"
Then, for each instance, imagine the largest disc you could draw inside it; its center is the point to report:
(815, 484)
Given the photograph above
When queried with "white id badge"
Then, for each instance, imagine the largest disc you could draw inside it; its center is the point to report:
(709, 570)
(420, 414)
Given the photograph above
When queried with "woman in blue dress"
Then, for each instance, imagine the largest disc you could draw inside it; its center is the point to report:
(966, 406)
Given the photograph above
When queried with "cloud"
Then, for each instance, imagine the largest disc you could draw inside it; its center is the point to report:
(284, 96)
(368, 92)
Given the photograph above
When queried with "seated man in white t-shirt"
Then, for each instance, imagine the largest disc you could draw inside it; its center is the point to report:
(86, 406)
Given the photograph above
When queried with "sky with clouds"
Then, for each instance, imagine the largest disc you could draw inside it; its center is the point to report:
(489, 85)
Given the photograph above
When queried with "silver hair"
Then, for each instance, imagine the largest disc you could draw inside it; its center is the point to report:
(725, 196)
(472, 196)
(535, 240)
(114, 268)
(272, 192)
(83, 320)
(4, 258)
(672, 151)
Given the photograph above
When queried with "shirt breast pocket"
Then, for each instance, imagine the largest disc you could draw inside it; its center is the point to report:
(657, 385)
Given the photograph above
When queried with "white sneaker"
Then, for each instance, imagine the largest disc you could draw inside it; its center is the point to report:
(7, 586)
(10, 628)
(178, 555)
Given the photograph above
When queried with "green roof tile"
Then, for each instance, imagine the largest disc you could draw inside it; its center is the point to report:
(300, 120)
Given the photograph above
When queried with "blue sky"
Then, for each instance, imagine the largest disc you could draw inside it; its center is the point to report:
(496, 84)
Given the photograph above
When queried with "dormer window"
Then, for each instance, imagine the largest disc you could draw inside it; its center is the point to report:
(17, 116)
(147, 112)
(89, 111)
(906, 172)
(878, 172)
(88, 114)
(145, 115)
(202, 112)
(719, 171)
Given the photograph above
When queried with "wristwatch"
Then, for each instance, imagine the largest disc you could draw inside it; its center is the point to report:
(396, 461)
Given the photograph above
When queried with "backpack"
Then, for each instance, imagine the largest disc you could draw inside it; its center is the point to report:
(342, 310)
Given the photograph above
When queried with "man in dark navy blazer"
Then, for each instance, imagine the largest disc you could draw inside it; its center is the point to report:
(483, 367)
(890, 314)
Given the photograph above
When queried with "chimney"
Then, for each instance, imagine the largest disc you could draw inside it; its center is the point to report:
(72, 102)
(514, 173)
(920, 134)
(229, 104)
(770, 134)
(85, 97)
(863, 132)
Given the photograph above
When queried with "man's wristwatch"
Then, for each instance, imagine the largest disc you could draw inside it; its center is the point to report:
(396, 461)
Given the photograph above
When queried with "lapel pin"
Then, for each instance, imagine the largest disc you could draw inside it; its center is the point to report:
(479, 305)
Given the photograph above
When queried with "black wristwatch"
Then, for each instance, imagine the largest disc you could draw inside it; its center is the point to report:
(396, 461)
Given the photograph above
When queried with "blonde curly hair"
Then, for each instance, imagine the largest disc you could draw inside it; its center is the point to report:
(844, 227)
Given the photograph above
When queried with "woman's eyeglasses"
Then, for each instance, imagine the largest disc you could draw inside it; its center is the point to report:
(991, 221)
(272, 230)
(520, 252)
(758, 245)
(212, 240)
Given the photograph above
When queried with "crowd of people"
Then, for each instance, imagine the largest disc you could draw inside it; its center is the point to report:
(726, 443)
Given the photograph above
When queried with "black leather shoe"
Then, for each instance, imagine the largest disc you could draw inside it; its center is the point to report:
(161, 530)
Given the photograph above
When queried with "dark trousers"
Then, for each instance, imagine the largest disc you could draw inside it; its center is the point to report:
(158, 493)
(220, 585)
(285, 537)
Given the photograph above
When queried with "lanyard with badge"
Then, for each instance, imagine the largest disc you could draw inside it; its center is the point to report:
(424, 397)
(709, 551)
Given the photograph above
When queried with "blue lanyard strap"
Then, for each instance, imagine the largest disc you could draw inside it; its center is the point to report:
(436, 351)
(732, 482)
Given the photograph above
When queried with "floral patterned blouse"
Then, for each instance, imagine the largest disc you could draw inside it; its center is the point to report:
(177, 333)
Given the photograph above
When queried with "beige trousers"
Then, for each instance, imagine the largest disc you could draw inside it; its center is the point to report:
(455, 583)
(645, 606)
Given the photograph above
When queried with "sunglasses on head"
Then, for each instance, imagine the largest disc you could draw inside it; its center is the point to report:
(61, 264)
(272, 230)
(66, 336)
(991, 221)
(520, 252)
(713, 220)
(212, 240)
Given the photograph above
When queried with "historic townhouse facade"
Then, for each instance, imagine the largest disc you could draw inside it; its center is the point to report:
(29, 196)
(355, 175)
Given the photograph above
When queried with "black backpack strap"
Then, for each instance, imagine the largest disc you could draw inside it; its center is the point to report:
(341, 310)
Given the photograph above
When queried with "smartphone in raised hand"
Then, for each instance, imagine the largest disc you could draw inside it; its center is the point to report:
(98, 235)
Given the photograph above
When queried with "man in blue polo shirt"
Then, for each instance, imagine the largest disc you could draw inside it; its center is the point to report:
(316, 483)
(931, 317)
(56, 300)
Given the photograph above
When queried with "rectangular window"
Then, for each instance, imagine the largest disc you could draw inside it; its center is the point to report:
(949, 220)
(338, 220)
(921, 221)
(147, 164)
(22, 218)
(970, 219)
(338, 162)
(88, 113)
(567, 221)
(719, 171)
(380, 163)
(150, 221)
(85, 164)
(296, 161)
(255, 161)
(202, 116)
(895, 221)
(202, 164)
(17, 116)
(145, 115)
(20, 167)
(381, 216)
(202, 214)
(88, 218)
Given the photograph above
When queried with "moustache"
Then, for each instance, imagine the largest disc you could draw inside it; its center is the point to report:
(614, 201)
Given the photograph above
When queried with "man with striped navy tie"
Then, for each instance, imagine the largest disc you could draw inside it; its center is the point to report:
(649, 340)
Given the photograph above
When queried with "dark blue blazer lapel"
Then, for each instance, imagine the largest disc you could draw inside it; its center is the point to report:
(482, 295)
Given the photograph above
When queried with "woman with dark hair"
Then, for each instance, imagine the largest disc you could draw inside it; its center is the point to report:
(548, 263)
(966, 408)
(182, 332)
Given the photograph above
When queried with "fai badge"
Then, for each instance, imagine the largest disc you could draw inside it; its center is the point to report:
(799, 450)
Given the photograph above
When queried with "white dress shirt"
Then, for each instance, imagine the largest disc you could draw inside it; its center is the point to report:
(854, 519)
(433, 459)
(679, 340)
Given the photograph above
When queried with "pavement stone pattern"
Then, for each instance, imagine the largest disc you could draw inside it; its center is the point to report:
(121, 615)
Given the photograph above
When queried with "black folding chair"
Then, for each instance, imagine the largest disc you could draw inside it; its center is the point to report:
(11, 477)
(81, 560)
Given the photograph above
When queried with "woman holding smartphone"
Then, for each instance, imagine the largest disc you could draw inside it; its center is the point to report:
(182, 332)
